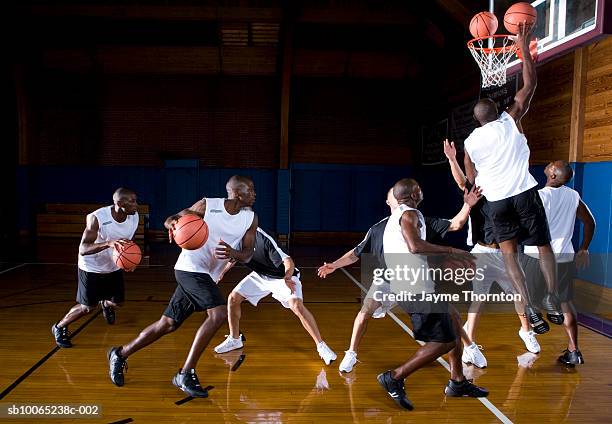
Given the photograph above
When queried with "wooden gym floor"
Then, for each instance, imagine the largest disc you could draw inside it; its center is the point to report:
(281, 379)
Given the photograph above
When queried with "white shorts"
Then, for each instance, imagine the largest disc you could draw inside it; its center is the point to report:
(255, 287)
(386, 305)
(491, 261)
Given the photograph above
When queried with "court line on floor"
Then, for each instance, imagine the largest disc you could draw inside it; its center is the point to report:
(486, 402)
(44, 359)
(15, 267)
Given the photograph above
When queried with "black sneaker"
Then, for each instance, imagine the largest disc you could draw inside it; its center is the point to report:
(108, 312)
(551, 305)
(571, 359)
(395, 389)
(535, 320)
(189, 383)
(116, 364)
(62, 336)
(464, 388)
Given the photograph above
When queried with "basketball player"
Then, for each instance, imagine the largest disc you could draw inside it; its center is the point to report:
(100, 281)
(231, 223)
(490, 260)
(497, 159)
(273, 272)
(562, 205)
(404, 242)
(373, 244)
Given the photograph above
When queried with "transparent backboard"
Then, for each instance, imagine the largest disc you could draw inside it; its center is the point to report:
(561, 24)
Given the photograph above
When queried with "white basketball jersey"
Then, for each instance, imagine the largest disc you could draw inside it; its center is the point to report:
(108, 229)
(397, 252)
(501, 156)
(221, 226)
(560, 205)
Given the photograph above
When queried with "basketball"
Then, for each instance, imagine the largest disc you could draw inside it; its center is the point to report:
(190, 232)
(517, 13)
(128, 257)
(483, 24)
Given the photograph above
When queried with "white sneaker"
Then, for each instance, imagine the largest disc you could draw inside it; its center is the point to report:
(473, 355)
(326, 353)
(349, 361)
(529, 338)
(229, 344)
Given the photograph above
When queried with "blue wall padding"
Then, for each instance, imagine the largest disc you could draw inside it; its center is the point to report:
(308, 197)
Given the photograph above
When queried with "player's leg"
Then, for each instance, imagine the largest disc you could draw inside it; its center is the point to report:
(114, 295)
(89, 293)
(371, 308)
(178, 310)
(572, 355)
(252, 288)
(535, 232)
(458, 385)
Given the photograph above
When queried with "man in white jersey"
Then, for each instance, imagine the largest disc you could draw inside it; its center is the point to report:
(405, 237)
(497, 160)
(562, 205)
(100, 279)
(372, 244)
(489, 259)
(273, 272)
(231, 224)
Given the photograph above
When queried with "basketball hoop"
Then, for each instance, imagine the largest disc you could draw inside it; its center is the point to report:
(492, 54)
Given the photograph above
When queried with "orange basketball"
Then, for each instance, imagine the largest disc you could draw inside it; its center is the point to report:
(483, 24)
(517, 13)
(128, 257)
(190, 232)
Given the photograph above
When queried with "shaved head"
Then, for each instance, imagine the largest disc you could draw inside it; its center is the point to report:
(125, 201)
(485, 111)
(238, 183)
(407, 190)
(122, 193)
(241, 188)
(558, 173)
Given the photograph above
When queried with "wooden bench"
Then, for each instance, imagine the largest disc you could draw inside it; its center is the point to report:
(67, 220)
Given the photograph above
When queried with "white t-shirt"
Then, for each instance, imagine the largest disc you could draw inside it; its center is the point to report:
(560, 204)
(397, 253)
(221, 226)
(501, 156)
(108, 229)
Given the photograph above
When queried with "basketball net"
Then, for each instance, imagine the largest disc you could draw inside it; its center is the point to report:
(492, 54)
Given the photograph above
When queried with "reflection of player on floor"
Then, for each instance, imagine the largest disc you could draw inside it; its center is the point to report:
(562, 205)
(490, 260)
(499, 153)
(373, 244)
(100, 279)
(231, 223)
(274, 273)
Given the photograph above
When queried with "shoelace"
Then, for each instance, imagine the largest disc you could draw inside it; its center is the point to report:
(195, 380)
(64, 333)
(121, 364)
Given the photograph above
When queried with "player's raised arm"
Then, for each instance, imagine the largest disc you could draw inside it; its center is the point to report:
(530, 80)
(451, 154)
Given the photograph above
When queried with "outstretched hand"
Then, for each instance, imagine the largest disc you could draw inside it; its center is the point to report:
(523, 37)
(325, 270)
(473, 196)
(449, 149)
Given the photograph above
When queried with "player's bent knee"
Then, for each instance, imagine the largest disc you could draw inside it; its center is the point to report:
(87, 309)
(166, 325)
(235, 298)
